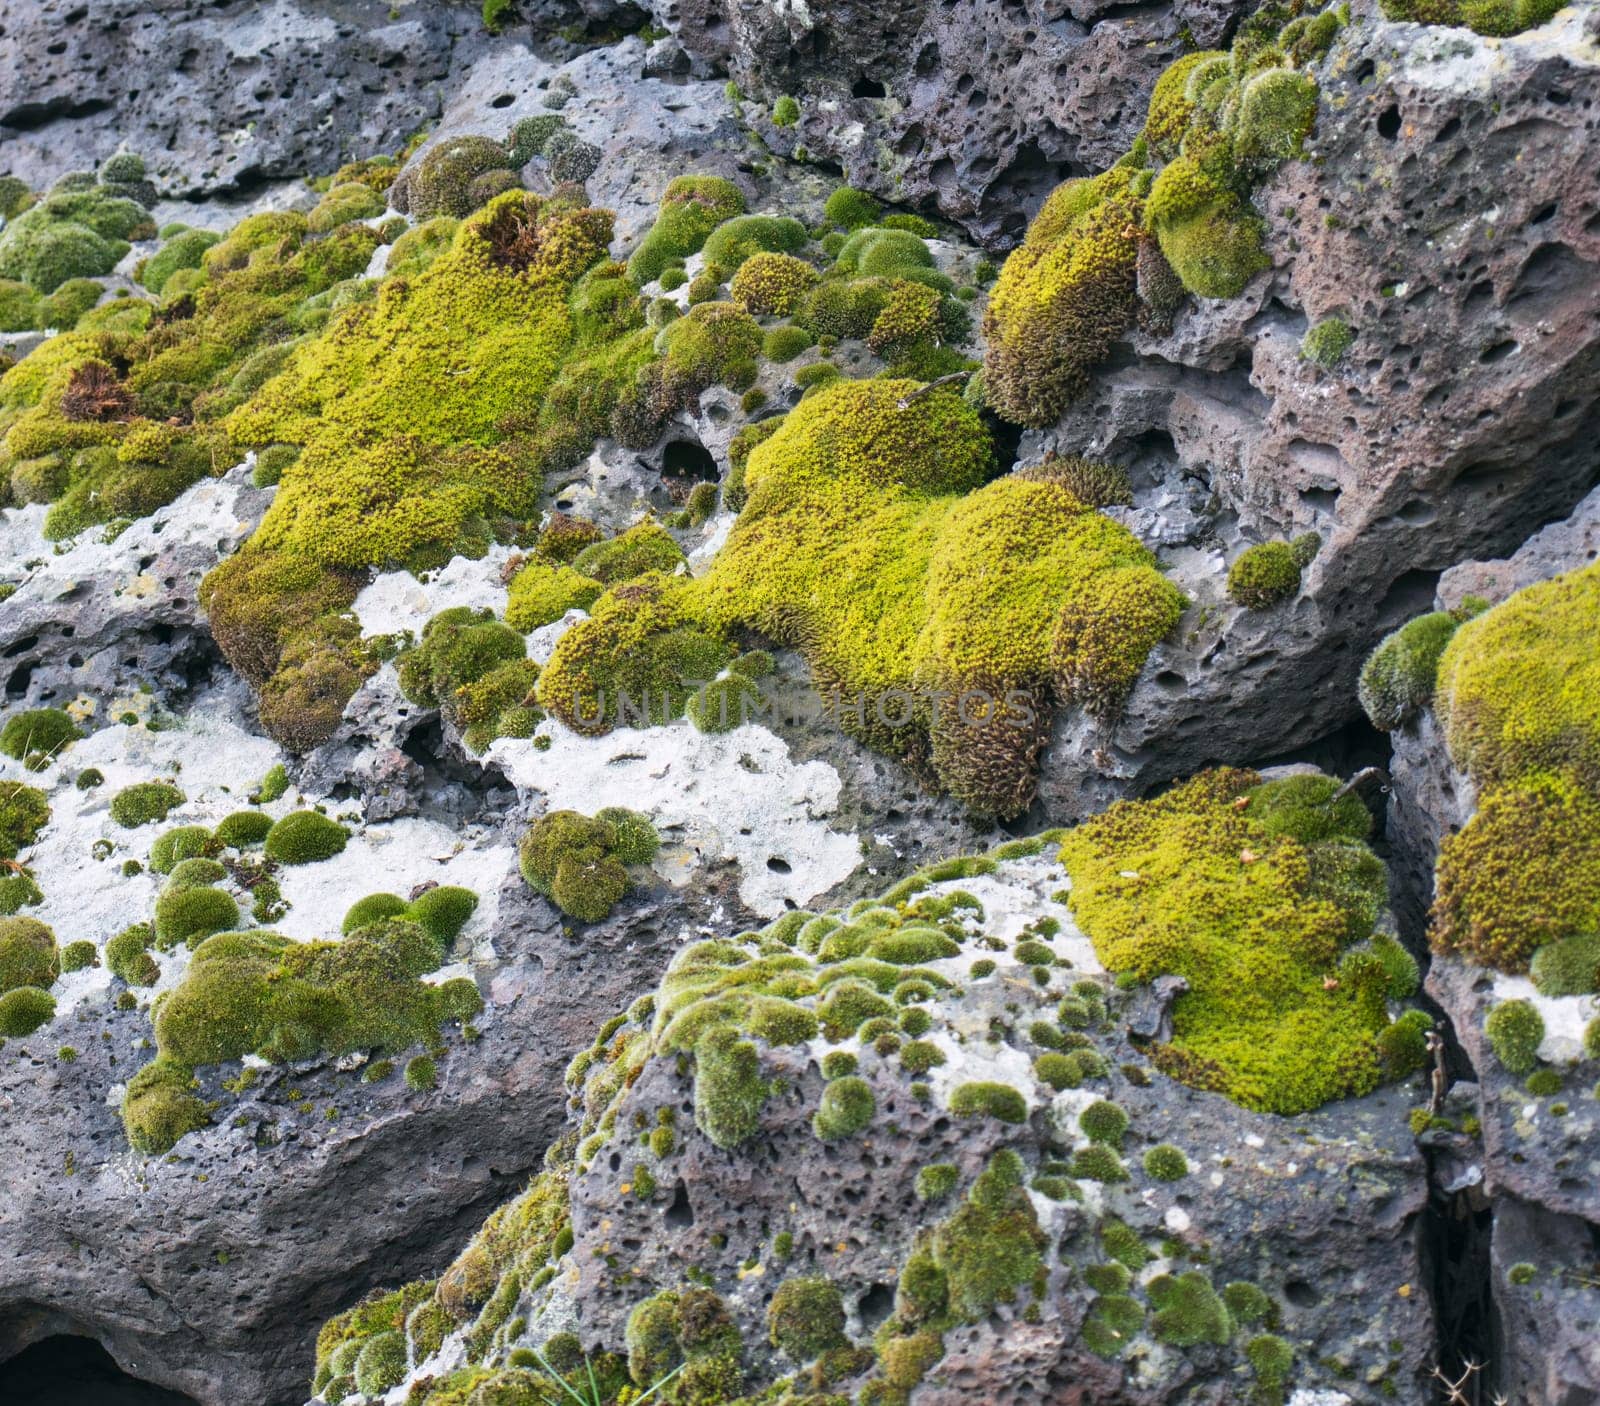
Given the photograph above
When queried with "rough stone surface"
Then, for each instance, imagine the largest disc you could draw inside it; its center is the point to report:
(218, 97)
(1449, 214)
(973, 110)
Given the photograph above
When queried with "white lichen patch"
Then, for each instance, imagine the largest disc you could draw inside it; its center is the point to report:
(1458, 61)
(216, 761)
(736, 796)
(1565, 1017)
(208, 513)
(399, 602)
(393, 857)
(211, 758)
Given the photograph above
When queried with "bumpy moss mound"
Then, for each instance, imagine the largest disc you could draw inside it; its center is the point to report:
(1519, 686)
(1523, 872)
(691, 208)
(259, 993)
(37, 736)
(1398, 677)
(24, 811)
(1497, 18)
(427, 417)
(581, 862)
(476, 671)
(78, 230)
(721, 1033)
(958, 614)
(1173, 215)
(117, 417)
(1265, 921)
(1516, 694)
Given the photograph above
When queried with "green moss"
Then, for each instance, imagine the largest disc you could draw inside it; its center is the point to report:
(38, 732)
(1272, 1360)
(1327, 342)
(936, 1181)
(171, 847)
(1523, 872)
(1239, 913)
(992, 1246)
(691, 208)
(998, 1101)
(1515, 1030)
(783, 344)
(806, 1318)
(273, 785)
(1264, 575)
(1519, 686)
(442, 912)
(442, 181)
(643, 548)
(422, 1073)
(188, 915)
(182, 251)
(381, 1363)
(194, 873)
(1188, 1310)
(785, 112)
(542, 592)
(729, 1092)
(28, 956)
(850, 209)
(771, 284)
(1308, 808)
(1111, 1324)
(24, 811)
(143, 802)
(79, 956)
(1397, 680)
(160, 1106)
(128, 955)
(1591, 1039)
(1164, 1162)
(1103, 1121)
(578, 862)
(305, 837)
(888, 484)
(1498, 18)
(244, 829)
(1097, 1162)
(846, 1108)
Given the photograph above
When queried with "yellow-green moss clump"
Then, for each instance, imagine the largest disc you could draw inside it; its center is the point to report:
(1497, 18)
(691, 208)
(1173, 215)
(580, 862)
(259, 993)
(1516, 693)
(1256, 894)
(476, 671)
(426, 417)
(958, 613)
(1523, 872)
(1519, 686)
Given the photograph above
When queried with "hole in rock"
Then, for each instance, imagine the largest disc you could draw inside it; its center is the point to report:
(680, 1212)
(867, 88)
(1389, 123)
(684, 463)
(780, 866)
(72, 1371)
(876, 1305)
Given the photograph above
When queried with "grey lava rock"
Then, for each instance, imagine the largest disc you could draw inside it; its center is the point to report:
(223, 96)
(973, 110)
(1450, 213)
